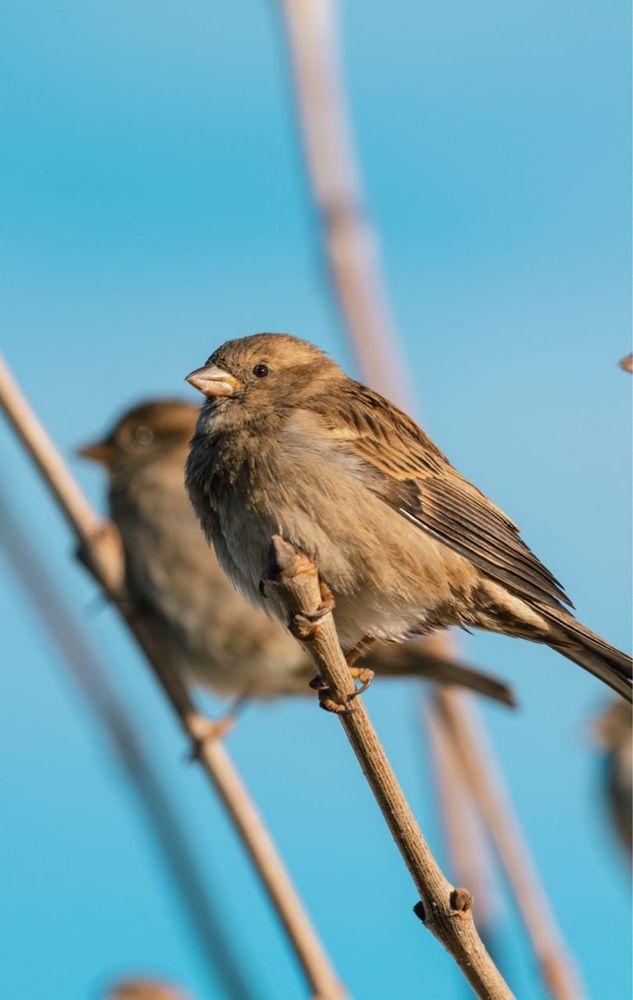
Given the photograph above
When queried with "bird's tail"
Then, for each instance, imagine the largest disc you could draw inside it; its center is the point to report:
(418, 659)
(591, 651)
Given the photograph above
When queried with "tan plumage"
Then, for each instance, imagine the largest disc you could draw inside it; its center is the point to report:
(145, 989)
(286, 443)
(202, 620)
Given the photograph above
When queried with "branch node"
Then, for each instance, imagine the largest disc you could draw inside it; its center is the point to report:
(420, 912)
(285, 565)
(286, 562)
(461, 901)
(204, 730)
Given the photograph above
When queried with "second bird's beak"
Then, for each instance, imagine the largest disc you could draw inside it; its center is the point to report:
(98, 451)
(213, 381)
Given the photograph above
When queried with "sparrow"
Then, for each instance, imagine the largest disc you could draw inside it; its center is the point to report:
(613, 732)
(206, 626)
(144, 989)
(287, 444)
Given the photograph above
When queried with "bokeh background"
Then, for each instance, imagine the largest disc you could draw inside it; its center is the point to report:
(153, 203)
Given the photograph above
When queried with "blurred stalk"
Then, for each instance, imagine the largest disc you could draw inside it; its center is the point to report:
(352, 250)
(613, 734)
(468, 846)
(472, 747)
(222, 959)
(349, 238)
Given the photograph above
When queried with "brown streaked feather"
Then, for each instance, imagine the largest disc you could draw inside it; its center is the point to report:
(418, 481)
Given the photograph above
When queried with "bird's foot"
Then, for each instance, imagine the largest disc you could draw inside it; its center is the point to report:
(303, 626)
(205, 730)
(363, 674)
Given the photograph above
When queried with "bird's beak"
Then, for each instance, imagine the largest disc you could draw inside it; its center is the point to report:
(213, 381)
(98, 451)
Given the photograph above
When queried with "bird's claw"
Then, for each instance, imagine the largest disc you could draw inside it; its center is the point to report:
(304, 624)
(329, 705)
(317, 683)
(302, 628)
(363, 674)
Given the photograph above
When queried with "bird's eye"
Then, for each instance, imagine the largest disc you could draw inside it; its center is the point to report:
(260, 370)
(144, 434)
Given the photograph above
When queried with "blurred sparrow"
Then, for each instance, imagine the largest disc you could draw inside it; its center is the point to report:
(144, 989)
(614, 734)
(287, 444)
(198, 616)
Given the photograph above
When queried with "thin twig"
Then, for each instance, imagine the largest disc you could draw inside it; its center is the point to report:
(445, 910)
(102, 553)
(90, 676)
(349, 236)
(471, 744)
(468, 846)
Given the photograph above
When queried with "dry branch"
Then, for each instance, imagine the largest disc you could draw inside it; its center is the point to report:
(445, 910)
(350, 240)
(90, 675)
(102, 553)
(471, 745)
(467, 842)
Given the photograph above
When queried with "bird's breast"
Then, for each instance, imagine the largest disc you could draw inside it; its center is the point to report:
(387, 575)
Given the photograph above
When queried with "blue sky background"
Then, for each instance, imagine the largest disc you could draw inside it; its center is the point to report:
(152, 204)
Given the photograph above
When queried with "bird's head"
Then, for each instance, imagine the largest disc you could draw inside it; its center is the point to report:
(150, 432)
(264, 371)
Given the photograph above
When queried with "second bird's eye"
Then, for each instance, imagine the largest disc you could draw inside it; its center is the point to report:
(144, 434)
(260, 370)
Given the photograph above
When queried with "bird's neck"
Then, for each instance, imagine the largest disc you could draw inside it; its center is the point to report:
(223, 418)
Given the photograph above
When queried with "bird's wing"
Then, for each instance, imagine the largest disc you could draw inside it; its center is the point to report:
(407, 471)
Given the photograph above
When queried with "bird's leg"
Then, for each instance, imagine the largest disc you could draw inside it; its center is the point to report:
(363, 674)
(304, 624)
(359, 650)
(214, 729)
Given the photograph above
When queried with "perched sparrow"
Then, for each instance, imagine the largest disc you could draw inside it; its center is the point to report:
(614, 733)
(197, 614)
(287, 444)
